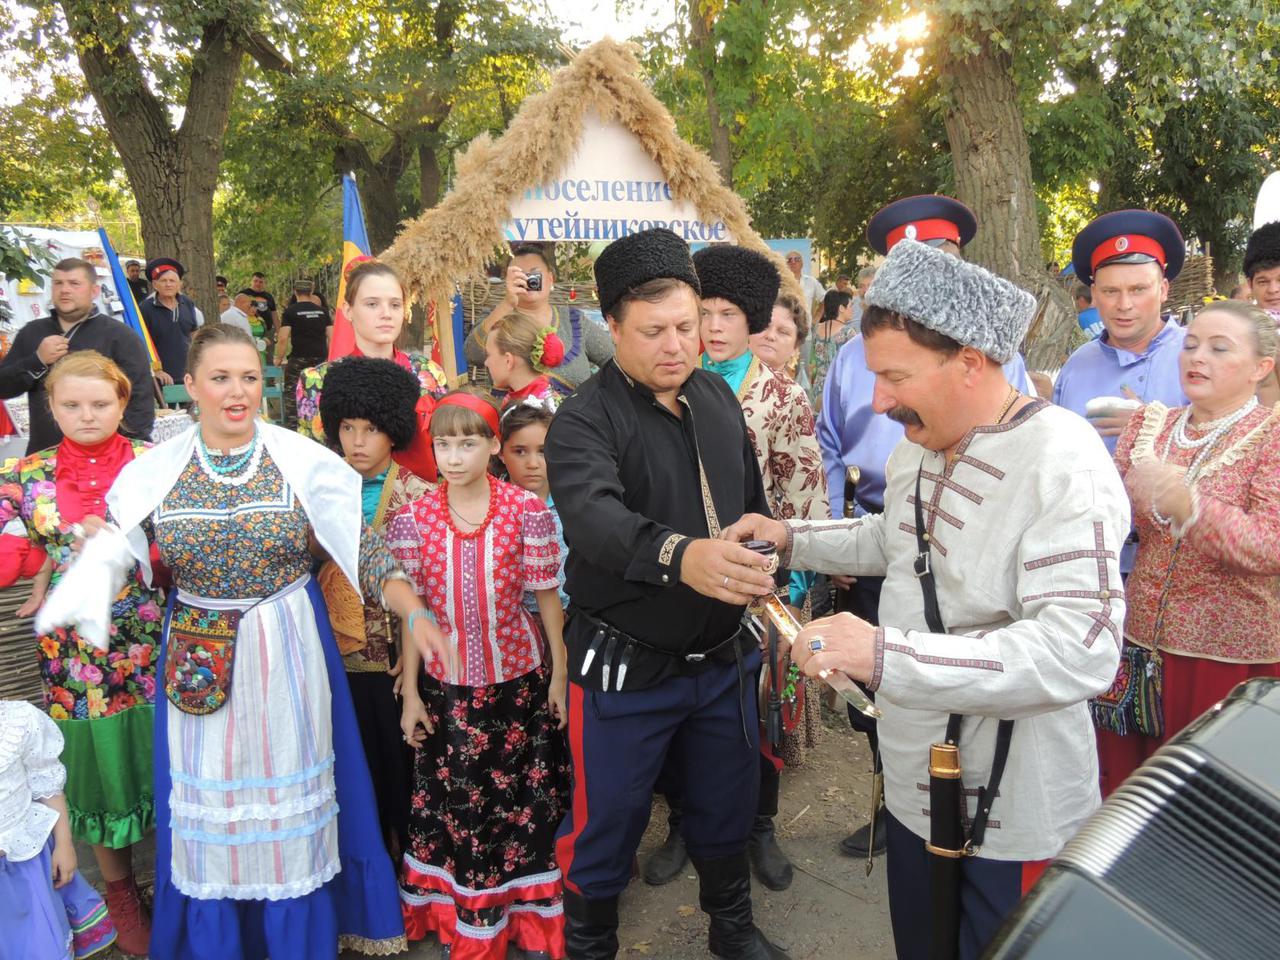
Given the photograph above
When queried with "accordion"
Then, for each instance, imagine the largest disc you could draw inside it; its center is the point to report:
(1182, 861)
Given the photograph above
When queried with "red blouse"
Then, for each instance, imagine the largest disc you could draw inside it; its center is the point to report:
(82, 476)
(1224, 599)
(473, 581)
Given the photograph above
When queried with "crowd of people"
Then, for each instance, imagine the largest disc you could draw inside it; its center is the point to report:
(417, 667)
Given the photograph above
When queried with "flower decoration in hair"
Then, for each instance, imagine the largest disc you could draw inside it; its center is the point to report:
(548, 349)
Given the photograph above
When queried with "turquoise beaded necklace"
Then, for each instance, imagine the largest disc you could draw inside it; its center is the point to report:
(233, 466)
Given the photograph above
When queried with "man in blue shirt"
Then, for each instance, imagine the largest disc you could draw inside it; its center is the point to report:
(1128, 257)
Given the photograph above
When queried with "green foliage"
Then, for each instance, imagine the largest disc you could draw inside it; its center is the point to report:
(1164, 103)
(22, 258)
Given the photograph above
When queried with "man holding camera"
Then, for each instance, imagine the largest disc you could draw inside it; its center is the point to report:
(530, 278)
(648, 461)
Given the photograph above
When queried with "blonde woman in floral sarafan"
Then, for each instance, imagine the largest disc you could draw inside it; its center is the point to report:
(101, 701)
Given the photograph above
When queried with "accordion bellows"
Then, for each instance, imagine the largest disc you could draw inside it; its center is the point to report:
(1182, 861)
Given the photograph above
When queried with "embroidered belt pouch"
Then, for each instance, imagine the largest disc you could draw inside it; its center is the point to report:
(201, 657)
(1135, 702)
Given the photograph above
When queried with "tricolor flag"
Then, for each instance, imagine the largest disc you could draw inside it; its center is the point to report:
(449, 340)
(132, 316)
(355, 245)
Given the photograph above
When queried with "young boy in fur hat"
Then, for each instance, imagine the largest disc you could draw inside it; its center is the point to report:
(368, 411)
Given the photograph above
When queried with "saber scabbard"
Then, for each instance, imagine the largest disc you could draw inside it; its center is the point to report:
(877, 798)
(773, 718)
(947, 849)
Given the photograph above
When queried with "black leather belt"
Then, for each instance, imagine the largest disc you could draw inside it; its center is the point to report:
(616, 647)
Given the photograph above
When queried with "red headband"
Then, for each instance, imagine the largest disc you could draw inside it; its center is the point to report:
(924, 230)
(475, 405)
(1124, 244)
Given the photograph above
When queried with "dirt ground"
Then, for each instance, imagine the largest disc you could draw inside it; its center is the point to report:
(832, 911)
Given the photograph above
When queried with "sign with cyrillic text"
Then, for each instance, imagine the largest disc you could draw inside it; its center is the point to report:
(610, 188)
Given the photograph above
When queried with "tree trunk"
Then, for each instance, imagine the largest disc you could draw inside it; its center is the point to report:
(381, 206)
(429, 176)
(704, 52)
(992, 162)
(172, 173)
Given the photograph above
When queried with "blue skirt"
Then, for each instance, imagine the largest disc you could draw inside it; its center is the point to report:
(358, 909)
(39, 922)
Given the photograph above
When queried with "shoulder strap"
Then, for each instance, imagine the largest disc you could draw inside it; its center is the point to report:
(933, 617)
(924, 572)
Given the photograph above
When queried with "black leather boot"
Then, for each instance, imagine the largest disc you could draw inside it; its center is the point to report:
(590, 927)
(855, 845)
(725, 895)
(665, 863)
(771, 866)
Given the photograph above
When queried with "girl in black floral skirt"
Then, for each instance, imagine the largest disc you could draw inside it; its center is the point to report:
(491, 770)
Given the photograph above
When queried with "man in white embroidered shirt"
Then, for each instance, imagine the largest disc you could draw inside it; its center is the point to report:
(1023, 516)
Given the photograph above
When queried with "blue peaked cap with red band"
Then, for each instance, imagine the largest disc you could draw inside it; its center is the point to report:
(1128, 236)
(930, 219)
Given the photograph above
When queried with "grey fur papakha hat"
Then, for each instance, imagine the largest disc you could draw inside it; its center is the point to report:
(970, 305)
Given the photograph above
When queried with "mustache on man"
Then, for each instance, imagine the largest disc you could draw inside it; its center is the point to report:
(905, 416)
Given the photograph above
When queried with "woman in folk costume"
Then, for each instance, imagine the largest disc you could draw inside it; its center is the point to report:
(491, 772)
(739, 290)
(518, 354)
(101, 700)
(368, 410)
(779, 344)
(586, 345)
(1204, 594)
(375, 305)
(264, 845)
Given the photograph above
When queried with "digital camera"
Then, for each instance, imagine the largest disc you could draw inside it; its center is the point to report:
(533, 281)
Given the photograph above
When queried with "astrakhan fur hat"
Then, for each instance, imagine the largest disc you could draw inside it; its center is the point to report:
(1263, 248)
(970, 305)
(745, 278)
(367, 388)
(636, 259)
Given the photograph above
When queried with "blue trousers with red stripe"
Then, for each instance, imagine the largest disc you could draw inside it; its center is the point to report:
(619, 742)
(989, 892)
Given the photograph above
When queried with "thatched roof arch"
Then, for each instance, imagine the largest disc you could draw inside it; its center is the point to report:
(454, 239)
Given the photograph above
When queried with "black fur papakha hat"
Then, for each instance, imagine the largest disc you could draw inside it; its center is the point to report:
(1263, 247)
(367, 388)
(638, 258)
(745, 278)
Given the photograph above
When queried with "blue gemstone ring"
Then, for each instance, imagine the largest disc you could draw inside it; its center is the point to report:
(815, 645)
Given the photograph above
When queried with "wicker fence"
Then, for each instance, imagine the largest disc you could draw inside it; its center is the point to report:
(19, 669)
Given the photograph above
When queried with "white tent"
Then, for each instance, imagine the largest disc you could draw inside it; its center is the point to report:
(27, 301)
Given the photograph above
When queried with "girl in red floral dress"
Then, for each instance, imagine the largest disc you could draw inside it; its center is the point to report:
(491, 772)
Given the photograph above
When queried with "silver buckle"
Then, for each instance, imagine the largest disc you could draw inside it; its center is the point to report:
(917, 567)
(695, 657)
